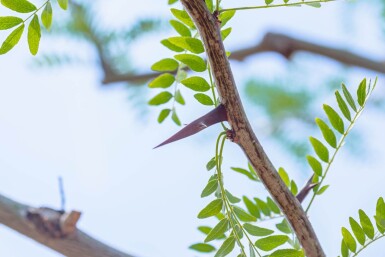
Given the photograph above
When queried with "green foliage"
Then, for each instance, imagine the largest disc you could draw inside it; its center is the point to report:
(34, 27)
(364, 232)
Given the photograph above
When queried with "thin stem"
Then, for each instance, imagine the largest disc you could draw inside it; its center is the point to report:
(223, 192)
(363, 247)
(274, 5)
(38, 9)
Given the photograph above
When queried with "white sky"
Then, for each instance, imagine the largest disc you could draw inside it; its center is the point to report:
(62, 122)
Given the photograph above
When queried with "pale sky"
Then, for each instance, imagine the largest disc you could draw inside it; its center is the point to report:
(61, 122)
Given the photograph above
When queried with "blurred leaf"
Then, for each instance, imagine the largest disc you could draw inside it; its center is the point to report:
(349, 97)
(179, 98)
(63, 4)
(211, 209)
(343, 106)
(243, 215)
(257, 231)
(180, 28)
(12, 40)
(34, 35)
(218, 230)
(46, 16)
(160, 98)
(225, 17)
(193, 45)
(251, 207)
(287, 253)
(226, 248)
(361, 92)
(21, 6)
(164, 80)
(163, 115)
(271, 242)
(183, 16)
(196, 83)
(193, 61)
(203, 248)
(8, 22)
(166, 64)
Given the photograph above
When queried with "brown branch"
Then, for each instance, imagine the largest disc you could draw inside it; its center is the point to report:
(53, 229)
(209, 30)
(272, 42)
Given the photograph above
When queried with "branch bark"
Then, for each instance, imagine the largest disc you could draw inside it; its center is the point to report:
(14, 215)
(282, 44)
(208, 27)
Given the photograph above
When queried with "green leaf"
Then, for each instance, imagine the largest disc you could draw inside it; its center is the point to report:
(327, 133)
(357, 231)
(380, 215)
(218, 230)
(361, 93)
(63, 4)
(46, 16)
(211, 164)
(179, 98)
(349, 240)
(172, 1)
(193, 61)
(21, 6)
(293, 187)
(225, 33)
(334, 118)
(349, 97)
(284, 176)
(180, 28)
(366, 224)
(183, 16)
(171, 46)
(232, 198)
(205, 229)
(34, 35)
(163, 115)
(196, 83)
(263, 206)
(269, 1)
(243, 215)
(226, 248)
(211, 209)
(12, 40)
(204, 99)
(224, 17)
(321, 150)
(284, 227)
(273, 206)
(322, 190)
(175, 118)
(191, 44)
(287, 253)
(244, 172)
(344, 249)
(160, 98)
(164, 80)
(315, 165)
(257, 231)
(203, 248)
(343, 106)
(315, 5)
(210, 188)
(210, 5)
(251, 207)
(251, 249)
(271, 242)
(8, 22)
(166, 64)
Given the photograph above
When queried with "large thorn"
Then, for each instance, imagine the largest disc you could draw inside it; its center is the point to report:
(306, 189)
(215, 116)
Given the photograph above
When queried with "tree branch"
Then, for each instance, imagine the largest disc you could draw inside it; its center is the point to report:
(208, 27)
(17, 216)
(272, 42)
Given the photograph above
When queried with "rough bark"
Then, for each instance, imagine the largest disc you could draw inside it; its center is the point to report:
(282, 44)
(208, 27)
(78, 244)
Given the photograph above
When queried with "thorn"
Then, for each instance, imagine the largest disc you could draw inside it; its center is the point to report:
(215, 116)
(306, 189)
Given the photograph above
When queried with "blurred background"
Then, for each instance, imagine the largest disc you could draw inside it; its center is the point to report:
(75, 111)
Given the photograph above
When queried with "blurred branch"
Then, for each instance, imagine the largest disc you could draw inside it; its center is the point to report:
(271, 42)
(54, 229)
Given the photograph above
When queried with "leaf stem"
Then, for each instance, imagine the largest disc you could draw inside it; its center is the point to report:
(372, 241)
(38, 9)
(352, 123)
(275, 5)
